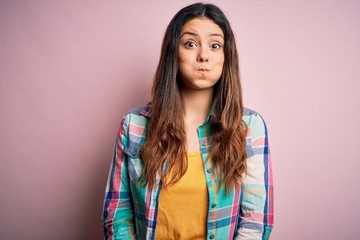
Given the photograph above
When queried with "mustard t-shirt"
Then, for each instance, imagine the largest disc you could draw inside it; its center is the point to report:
(183, 207)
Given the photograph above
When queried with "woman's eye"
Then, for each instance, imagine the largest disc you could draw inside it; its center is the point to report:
(190, 44)
(215, 45)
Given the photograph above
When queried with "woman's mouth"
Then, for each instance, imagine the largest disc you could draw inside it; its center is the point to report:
(202, 69)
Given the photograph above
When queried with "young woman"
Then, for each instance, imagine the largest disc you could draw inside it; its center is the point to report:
(193, 163)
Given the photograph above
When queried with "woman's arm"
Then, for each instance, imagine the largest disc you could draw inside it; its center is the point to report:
(118, 216)
(256, 207)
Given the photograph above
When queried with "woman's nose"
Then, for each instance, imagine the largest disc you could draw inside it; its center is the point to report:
(203, 55)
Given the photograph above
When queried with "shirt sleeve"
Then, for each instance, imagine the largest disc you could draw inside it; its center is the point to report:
(118, 214)
(256, 206)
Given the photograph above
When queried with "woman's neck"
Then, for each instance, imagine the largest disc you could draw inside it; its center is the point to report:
(197, 104)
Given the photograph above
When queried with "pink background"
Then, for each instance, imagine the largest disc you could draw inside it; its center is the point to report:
(69, 70)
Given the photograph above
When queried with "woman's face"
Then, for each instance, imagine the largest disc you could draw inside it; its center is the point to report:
(201, 54)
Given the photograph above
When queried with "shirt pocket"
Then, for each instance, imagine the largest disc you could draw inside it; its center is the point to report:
(134, 163)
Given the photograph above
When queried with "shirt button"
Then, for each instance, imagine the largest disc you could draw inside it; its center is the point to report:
(212, 236)
(209, 170)
(213, 205)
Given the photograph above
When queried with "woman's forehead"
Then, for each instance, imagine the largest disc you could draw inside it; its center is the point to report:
(202, 25)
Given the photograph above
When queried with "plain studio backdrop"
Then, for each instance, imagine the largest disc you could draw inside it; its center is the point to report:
(69, 70)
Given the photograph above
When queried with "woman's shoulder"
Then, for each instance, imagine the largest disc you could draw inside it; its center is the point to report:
(135, 121)
(250, 114)
(253, 118)
(137, 116)
(254, 122)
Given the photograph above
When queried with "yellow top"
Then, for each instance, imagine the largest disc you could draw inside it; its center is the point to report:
(183, 207)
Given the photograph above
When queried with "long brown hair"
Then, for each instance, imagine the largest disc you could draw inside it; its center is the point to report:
(165, 147)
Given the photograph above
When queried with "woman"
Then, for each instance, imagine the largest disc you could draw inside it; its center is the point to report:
(193, 163)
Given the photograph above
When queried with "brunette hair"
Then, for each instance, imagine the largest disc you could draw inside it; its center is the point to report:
(165, 147)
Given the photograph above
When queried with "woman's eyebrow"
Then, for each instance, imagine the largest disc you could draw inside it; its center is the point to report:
(195, 34)
(190, 33)
(216, 35)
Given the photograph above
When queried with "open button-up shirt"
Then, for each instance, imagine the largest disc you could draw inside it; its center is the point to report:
(246, 212)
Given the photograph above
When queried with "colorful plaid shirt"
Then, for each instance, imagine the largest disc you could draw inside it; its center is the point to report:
(246, 212)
